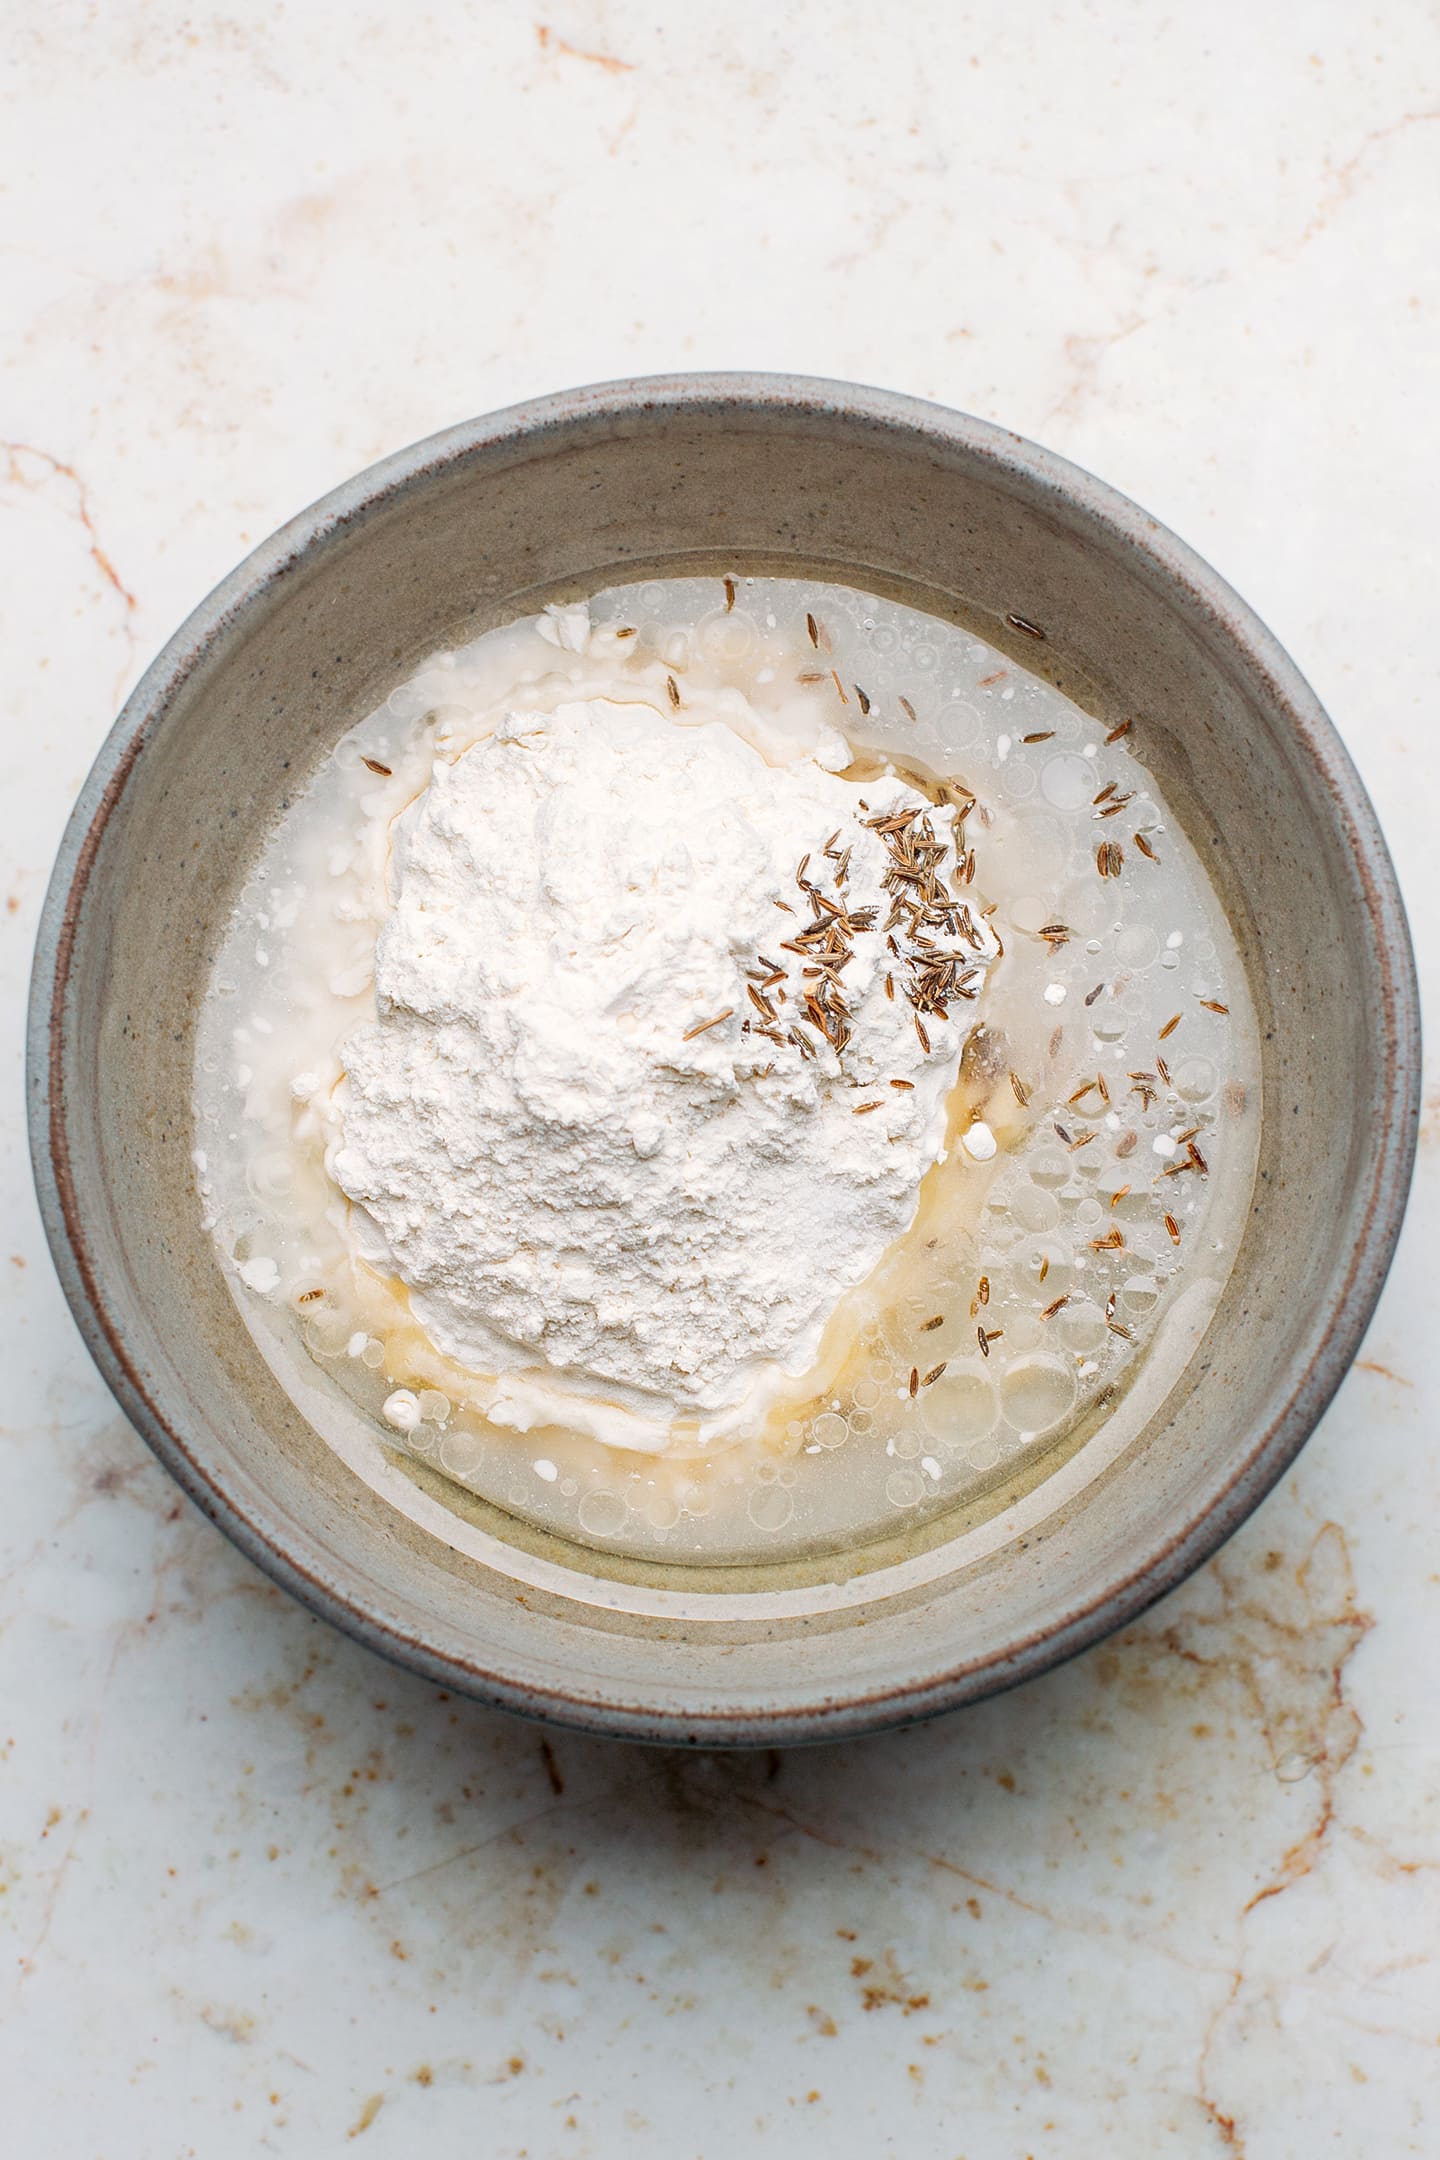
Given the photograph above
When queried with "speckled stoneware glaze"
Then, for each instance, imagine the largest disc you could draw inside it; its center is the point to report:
(557, 496)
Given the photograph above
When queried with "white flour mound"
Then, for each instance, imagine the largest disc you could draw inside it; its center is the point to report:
(625, 1226)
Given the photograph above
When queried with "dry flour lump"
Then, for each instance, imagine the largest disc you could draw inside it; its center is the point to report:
(624, 1220)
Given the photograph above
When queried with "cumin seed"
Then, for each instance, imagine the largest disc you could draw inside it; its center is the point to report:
(672, 691)
(385, 771)
(934, 1373)
(1055, 1305)
(1169, 1027)
(914, 1380)
(1174, 1229)
(1116, 732)
(729, 594)
(706, 1025)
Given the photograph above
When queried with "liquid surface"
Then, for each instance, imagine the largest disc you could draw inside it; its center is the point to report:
(1102, 1130)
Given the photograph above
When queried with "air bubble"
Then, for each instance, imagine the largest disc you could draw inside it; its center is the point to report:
(1036, 1393)
(904, 1488)
(1034, 1209)
(727, 640)
(602, 1514)
(327, 1335)
(959, 1409)
(460, 1454)
(830, 1431)
(1067, 782)
(1194, 1079)
(1082, 1326)
(1137, 946)
(770, 1508)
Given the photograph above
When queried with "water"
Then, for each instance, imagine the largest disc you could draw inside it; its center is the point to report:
(1031, 1280)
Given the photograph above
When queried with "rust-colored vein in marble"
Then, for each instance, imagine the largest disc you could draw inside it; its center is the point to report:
(1345, 177)
(1365, 1364)
(549, 42)
(15, 451)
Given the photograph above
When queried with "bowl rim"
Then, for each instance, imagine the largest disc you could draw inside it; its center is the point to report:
(1192, 585)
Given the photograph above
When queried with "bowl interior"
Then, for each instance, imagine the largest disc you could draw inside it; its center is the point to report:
(469, 530)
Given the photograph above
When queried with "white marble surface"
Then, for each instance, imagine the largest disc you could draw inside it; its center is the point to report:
(258, 1892)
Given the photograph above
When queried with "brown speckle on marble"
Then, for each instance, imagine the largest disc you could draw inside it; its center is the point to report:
(367, 2115)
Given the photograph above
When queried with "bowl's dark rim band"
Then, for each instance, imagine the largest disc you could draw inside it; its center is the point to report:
(1317, 1370)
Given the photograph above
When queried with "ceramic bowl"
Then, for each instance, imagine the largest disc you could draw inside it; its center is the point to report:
(562, 495)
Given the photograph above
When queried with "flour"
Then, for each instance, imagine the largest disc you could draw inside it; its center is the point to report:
(630, 1217)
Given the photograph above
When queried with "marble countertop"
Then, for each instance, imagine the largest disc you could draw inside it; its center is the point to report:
(259, 1893)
